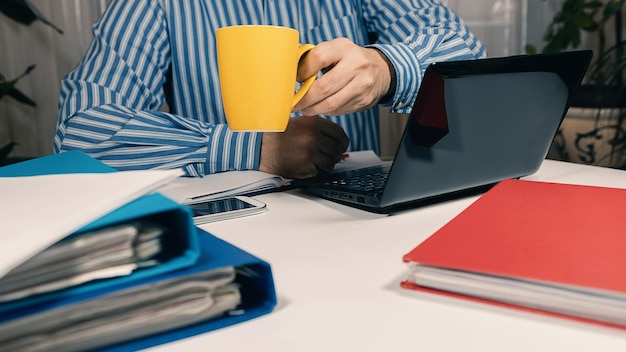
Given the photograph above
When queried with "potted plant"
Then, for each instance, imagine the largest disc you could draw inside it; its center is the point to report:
(22, 11)
(593, 131)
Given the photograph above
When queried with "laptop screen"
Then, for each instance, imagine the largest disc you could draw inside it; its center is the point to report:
(501, 116)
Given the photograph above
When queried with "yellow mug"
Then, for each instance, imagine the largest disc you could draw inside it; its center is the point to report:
(257, 67)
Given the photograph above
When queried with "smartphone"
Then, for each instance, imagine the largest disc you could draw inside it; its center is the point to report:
(225, 208)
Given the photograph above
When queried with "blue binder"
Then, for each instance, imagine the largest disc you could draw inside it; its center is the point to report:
(193, 251)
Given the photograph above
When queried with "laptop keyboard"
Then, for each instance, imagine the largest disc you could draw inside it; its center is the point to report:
(367, 180)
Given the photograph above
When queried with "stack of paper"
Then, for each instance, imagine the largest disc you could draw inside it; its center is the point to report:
(128, 314)
(109, 252)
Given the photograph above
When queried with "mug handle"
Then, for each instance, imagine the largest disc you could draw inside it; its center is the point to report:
(304, 48)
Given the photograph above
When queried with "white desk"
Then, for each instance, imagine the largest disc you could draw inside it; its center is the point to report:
(337, 272)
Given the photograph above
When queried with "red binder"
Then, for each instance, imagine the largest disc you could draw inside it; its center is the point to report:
(540, 235)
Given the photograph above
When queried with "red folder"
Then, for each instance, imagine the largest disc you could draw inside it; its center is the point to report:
(544, 232)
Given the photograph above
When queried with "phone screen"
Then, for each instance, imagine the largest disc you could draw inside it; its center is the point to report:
(219, 206)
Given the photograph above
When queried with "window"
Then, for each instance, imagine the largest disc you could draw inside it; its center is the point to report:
(500, 24)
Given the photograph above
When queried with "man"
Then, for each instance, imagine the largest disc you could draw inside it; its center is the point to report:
(145, 52)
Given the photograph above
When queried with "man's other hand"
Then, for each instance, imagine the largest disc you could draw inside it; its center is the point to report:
(309, 145)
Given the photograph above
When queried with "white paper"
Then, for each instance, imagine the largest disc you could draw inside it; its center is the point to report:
(187, 190)
(357, 160)
(37, 211)
(589, 303)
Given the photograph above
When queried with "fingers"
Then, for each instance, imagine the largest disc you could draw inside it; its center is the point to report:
(354, 78)
(329, 152)
(356, 95)
(322, 142)
(321, 58)
(324, 57)
(309, 145)
(335, 134)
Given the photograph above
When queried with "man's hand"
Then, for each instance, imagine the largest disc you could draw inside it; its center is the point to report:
(309, 145)
(354, 79)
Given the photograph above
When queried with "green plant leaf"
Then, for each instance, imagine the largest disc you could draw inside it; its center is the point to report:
(8, 88)
(592, 5)
(586, 22)
(21, 97)
(530, 49)
(18, 11)
(565, 29)
(23, 11)
(6, 150)
(612, 8)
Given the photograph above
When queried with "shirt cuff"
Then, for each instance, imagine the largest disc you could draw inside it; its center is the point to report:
(228, 150)
(408, 75)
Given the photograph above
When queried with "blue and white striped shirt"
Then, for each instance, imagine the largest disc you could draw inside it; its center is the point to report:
(145, 50)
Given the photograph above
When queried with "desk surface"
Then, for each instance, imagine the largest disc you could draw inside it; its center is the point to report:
(337, 272)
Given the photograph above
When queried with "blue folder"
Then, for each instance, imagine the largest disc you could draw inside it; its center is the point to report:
(195, 251)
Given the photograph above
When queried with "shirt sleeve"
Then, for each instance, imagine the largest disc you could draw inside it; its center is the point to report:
(414, 34)
(109, 104)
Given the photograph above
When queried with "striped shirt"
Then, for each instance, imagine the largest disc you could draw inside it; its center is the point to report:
(146, 50)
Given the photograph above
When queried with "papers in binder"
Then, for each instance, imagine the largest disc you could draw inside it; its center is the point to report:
(109, 252)
(33, 217)
(583, 302)
(140, 311)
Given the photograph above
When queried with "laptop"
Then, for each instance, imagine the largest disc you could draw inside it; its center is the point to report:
(473, 124)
